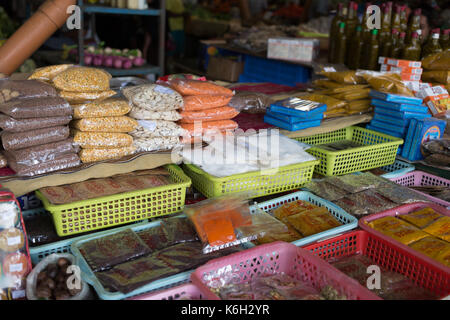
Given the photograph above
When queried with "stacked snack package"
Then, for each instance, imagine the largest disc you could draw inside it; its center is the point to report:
(155, 108)
(35, 128)
(100, 124)
(205, 107)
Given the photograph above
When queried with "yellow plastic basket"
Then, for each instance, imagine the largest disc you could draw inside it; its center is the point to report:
(377, 150)
(256, 183)
(105, 212)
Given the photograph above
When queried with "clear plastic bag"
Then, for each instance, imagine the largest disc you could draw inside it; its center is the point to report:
(49, 72)
(157, 128)
(20, 89)
(15, 141)
(84, 97)
(111, 107)
(88, 140)
(196, 87)
(351, 183)
(143, 114)
(365, 202)
(332, 103)
(202, 102)
(251, 102)
(85, 292)
(398, 229)
(206, 126)
(216, 114)
(82, 79)
(153, 97)
(106, 124)
(326, 190)
(156, 143)
(442, 77)
(344, 77)
(387, 82)
(3, 161)
(61, 162)
(216, 221)
(95, 154)
(438, 61)
(19, 125)
(36, 108)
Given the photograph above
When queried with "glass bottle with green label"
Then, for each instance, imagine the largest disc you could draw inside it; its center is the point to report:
(371, 51)
(394, 41)
(385, 32)
(396, 52)
(338, 18)
(432, 46)
(351, 22)
(445, 41)
(414, 25)
(365, 28)
(341, 45)
(403, 19)
(354, 51)
(413, 50)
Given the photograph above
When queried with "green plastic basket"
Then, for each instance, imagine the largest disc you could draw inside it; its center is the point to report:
(105, 212)
(377, 150)
(256, 183)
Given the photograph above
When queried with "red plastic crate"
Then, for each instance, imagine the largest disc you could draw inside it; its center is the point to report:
(274, 258)
(176, 293)
(388, 255)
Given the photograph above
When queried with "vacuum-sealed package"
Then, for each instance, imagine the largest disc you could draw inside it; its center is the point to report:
(400, 194)
(82, 79)
(155, 143)
(367, 202)
(178, 230)
(106, 124)
(398, 229)
(21, 89)
(195, 87)
(3, 161)
(143, 114)
(154, 238)
(422, 217)
(100, 154)
(49, 72)
(106, 252)
(351, 183)
(36, 108)
(60, 162)
(250, 102)
(89, 140)
(157, 128)
(153, 97)
(111, 107)
(314, 221)
(216, 221)
(84, 97)
(19, 125)
(439, 228)
(203, 102)
(15, 141)
(215, 114)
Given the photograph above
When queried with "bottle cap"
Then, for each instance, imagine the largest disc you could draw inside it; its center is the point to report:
(394, 31)
(402, 34)
(415, 35)
(342, 25)
(398, 9)
(437, 30)
(375, 31)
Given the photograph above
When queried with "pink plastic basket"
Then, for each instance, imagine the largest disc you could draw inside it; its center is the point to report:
(420, 178)
(188, 290)
(274, 258)
(405, 209)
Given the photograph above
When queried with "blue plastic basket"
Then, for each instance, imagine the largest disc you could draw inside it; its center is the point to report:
(267, 70)
(397, 169)
(348, 221)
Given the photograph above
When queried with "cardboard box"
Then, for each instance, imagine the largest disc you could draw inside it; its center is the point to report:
(224, 69)
(436, 99)
(399, 63)
(293, 49)
(386, 67)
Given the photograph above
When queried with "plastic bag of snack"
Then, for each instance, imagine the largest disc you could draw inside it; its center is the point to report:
(155, 238)
(327, 84)
(157, 128)
(106, 124)
(344, 77)
(326, 190)
(143, 114)
(388, 82)
(202, 102)
(400, 194)
(421, 218)
(59, 162)
(195, 87)
(438, 61)
(353, 95)
(106, 252)
(250, 102)
(21, 89)
(336, 113)
(84, 97)
(432, 247)
(291, 208)
(442, 77)
(359, 105)
(332, 103)
(347, 89)
(367, 202)
(100, 140)
(398, 229)
(82, 79)
(155, 143)
(153, 97)
(216, 114)
(105, 108)
(36, 108)
(178, 230)
(440, 228)
(351, 183)
(15, 141)
(217, 219)
(41, 153)
(49, 72)
(313, 221)
(96, 154)
(207, 126)
(10, 124)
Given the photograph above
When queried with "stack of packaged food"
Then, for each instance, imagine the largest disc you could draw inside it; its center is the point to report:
(205, 107)
(35, 128)
(155, 108)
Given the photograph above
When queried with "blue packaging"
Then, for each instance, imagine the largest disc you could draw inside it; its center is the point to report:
(426, 130)
(389, 126)
(391, 120)
(292, 119)
(401, 114)
(298, 108)
(395, 98)
(382, 130)
(399, 106)
(29, 201)
(291, 126)
(408, 139)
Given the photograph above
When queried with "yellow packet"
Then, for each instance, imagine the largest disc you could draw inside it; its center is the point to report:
(327, 84)
(344, 77)
(438, 61)
(421, 218)
(398, 230)
(359, 105)
(331, 102)
(430, 246)
(335, 113)
(310, 222)
(440, 228)
(442, 77)
(356, 94)
(390, 82)
(444, 256)
(291, 208)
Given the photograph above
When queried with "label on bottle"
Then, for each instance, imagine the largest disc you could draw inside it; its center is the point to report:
(18, 267)
(435, 36)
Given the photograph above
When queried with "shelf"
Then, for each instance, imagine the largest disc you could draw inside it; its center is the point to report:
(145, 69)
(111, 10)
